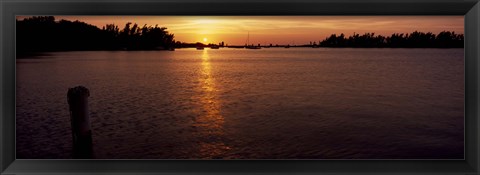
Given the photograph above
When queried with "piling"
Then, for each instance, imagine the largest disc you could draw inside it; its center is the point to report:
(77, 98)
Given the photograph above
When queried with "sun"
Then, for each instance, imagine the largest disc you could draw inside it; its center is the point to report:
(205, 39)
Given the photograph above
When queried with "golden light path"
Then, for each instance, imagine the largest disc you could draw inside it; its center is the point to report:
(210, 124)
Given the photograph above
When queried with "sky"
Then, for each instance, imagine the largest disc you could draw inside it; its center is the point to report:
(235, 30)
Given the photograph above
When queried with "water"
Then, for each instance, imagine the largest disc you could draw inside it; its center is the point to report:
(272, 103)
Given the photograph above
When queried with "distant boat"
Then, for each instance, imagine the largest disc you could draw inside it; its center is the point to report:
(200, 48)
(248, 42)
(215, 47)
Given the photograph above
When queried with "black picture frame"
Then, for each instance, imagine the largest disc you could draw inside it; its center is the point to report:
(11, 8)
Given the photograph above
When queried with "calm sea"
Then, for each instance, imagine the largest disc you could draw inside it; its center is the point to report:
(272, 103)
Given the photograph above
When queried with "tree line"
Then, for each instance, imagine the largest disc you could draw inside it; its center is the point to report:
(444, 39)
(43, 33)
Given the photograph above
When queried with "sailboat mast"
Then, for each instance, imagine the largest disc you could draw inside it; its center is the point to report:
(248, 38)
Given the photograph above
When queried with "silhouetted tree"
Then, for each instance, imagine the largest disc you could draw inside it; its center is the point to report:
(39, 34)
(415, 39)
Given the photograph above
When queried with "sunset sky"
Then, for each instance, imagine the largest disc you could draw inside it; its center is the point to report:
(233, 30)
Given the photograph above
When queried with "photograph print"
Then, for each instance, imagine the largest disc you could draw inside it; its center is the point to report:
(240, 87)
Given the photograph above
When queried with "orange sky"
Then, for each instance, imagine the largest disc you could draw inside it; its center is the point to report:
(279, 29)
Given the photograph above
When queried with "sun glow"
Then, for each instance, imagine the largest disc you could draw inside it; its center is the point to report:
(205, 39)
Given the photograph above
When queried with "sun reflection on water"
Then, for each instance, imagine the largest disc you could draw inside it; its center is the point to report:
(210, 122)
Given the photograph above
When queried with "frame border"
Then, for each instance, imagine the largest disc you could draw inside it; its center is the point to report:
(11, 8)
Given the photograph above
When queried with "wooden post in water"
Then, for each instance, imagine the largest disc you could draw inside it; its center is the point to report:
(81, 133)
